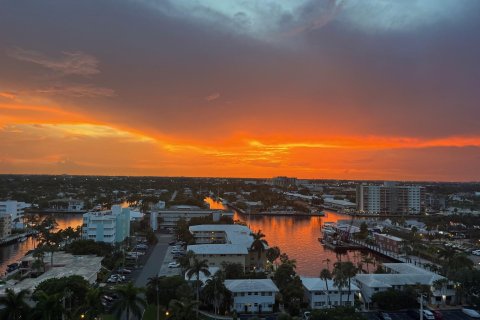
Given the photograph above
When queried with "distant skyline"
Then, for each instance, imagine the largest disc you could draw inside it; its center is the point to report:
(346, 89)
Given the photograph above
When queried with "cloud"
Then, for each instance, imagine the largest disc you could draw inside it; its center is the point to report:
(70, 63)
(78, 91)
(212, 97)
(8, 95)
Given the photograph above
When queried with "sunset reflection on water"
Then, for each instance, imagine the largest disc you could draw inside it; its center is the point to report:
(298, 237)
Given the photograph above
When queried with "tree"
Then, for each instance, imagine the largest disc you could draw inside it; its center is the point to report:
(215, 291)
(197, 267)
(167, 289)
(14, 305)
(183, 309)
(93, 307)
(233, 270)
(77, 284)
(367, 260)
(272, 254)
(38, 264)
(346, 271)
(340, 279)
(49, 241)
(185, 261)
(326, 275)
(49, 306)
(363, 234)
(258, 244)
(129, 301)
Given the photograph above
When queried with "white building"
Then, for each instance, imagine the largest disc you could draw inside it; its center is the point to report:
(15, 209)
(220, 243)
(5, 225)
(109, 226)
(399, 276)
(252, 295)
(172, 215)
(318, 296)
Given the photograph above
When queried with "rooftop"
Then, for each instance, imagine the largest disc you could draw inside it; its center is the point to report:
(218, 249)
(251, 285)
(317, 284)
(235, 233)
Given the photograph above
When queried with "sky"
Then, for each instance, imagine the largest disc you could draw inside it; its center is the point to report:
(346, 89)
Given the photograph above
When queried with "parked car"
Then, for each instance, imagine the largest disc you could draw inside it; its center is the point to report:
(174, 265)
(428, 315)
(471, 313)
(171, 243)
(385, 316)
(306, 315)
(114, 278)
(124, 271)
(141, 247)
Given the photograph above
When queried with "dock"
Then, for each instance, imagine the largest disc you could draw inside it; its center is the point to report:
(15, 237)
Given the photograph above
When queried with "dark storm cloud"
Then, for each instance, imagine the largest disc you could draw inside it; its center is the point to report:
(162, 63)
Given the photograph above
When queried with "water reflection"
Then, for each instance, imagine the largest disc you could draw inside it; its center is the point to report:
(14, 252)
(298, 237)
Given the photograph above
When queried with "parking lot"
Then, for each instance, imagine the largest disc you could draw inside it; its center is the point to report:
(456, 314)
(165, 270)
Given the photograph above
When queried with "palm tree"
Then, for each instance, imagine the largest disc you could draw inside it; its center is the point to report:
(326, 275)
(183, 309)
(215, 290)
(367, 260)
(185, 261)
(93, 306)
(258, 244)
(340, 279)
(49, 306)
(38, 264)
(328, 263)
(14, 305)
(272, 254)
(350, 271)
(129, 301)
(197, 267)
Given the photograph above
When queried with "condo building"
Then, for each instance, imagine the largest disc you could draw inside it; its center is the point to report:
(111, 226)
(15, 209)
(390, 198)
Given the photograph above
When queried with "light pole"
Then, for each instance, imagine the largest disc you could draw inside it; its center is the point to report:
(158, 305)
(421, 306)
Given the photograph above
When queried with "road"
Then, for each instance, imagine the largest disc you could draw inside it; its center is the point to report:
(154, 262)
(447, 315)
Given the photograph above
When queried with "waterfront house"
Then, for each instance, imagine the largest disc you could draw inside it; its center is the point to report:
(318, 297)
(388, 242)
(252, 295)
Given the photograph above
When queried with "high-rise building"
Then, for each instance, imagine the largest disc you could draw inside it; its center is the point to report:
(111, 226)
(284, 182)
(390, 198)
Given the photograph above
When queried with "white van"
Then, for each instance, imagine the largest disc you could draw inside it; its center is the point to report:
(471, 313)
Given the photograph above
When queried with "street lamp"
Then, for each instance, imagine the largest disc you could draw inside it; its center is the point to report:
(421, 306)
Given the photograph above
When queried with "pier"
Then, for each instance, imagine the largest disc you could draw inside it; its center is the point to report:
(15, 237)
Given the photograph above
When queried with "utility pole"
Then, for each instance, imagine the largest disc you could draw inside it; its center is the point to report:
(158, 305)
(421, 306)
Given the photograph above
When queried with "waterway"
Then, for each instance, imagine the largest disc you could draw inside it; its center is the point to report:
(298, 237)
(14, 252)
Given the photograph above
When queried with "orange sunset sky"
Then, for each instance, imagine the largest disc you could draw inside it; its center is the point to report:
(353, 89)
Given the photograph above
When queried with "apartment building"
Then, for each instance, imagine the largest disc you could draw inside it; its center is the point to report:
(390, 198)
(171, 216)
(16, 210)
(5, 225)
(111, 226)
(252, 295)
(318, 296)
(220, 243)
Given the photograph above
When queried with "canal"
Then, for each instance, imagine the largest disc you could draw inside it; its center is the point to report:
(298, 237)
(14, 252)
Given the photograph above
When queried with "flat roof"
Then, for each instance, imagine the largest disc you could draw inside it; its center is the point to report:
(218, 248)
(251, 285)
(235, 233)
(317, 284)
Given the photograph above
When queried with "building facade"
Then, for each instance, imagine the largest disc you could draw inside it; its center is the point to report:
(388, 242)
(170, 217)
(318, 296)
(390, 198)
(5, 225)
(252, 295)
(16, 210)
(110, 226)
(227, 243)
